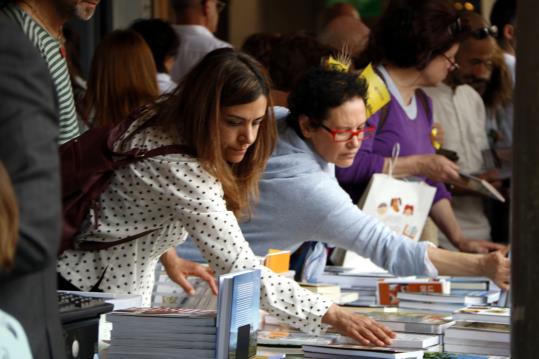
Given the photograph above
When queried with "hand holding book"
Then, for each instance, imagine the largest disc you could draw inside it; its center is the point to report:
(364, 330)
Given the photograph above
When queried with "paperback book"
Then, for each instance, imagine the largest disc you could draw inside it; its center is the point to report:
(484, 314)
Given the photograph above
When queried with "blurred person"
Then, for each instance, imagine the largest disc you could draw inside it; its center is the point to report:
(503, 16)
(13, 340)
(42, 21)
(413, 45)
(290, 58)
(196, 22)
(29, 151)
(482, 66)
(340, 9)
(260, 45)
(163, 42)
(230, 130)
(347, 33)
(122, 78)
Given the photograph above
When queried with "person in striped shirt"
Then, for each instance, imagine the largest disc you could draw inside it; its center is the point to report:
(42, 21)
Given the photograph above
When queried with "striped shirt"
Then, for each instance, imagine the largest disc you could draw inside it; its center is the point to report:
(50, 49)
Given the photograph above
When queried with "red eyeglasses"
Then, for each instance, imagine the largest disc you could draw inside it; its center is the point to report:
(347, 135)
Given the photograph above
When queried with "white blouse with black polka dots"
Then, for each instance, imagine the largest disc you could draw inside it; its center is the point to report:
(176, 196)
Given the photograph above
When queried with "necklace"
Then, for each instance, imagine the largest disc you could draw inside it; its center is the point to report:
(58, 34)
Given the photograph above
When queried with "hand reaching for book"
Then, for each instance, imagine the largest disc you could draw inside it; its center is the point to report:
(498, 268)
(479, 246)
(178, 269)
(364, 330)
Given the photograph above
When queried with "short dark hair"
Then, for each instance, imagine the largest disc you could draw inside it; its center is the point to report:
(259, 45)
(179, 6)
(161, 39)
(320, 90)
(411, 33)
(503, 13)
(292, 56)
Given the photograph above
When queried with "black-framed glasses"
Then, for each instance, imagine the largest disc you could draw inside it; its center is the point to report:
(452, 64)
(347, 135)
(484, 32)
(220, 5)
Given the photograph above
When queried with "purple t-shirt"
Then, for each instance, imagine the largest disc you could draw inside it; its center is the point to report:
(412, 135)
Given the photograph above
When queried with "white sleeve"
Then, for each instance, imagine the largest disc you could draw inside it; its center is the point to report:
(198, 199)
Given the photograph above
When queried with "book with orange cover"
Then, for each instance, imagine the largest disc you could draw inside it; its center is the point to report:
(277, 260)
(387, 290)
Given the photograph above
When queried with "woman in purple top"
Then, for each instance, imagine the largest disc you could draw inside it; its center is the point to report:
(413, 45)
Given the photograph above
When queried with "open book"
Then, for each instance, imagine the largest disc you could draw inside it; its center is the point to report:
(479, 185)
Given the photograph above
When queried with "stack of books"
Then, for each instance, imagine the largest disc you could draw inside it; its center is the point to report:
(338, 351)
(162, 333)
(229, 331)
(363, 283)
(445, 303)
(332, 292)
(480, 330)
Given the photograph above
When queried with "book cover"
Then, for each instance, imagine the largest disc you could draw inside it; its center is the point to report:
(387, 290)
(238, 314)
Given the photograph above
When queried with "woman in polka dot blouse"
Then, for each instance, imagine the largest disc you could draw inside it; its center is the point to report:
(222, 111)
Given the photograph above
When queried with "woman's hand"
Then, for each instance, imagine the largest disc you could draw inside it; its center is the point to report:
(497, 267)
(364, 330)
(479, 246)
(178, 269)
(438, 168)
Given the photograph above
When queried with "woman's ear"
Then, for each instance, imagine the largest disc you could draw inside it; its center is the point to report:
(305, 126)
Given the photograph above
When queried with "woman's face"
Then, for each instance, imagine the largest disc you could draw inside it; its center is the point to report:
(348, 116)
(437, 70)
(239, 127)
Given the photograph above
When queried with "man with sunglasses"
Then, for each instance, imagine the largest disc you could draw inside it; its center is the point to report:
(196, 23)
(459, 105)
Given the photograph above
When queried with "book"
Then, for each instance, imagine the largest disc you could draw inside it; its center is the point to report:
(348, 350)
(479, 185)
(163, 317)
(377, 93)
(412, 322)
(277, 260)
(238, 314)
(282, 337)
(479, 331)
(428, 307)
(480, 348)
(484, 314)
(404, 341)
(388, 289)
(469, 283)
(455, 297)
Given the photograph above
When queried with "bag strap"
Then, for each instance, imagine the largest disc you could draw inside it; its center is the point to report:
(97, 246)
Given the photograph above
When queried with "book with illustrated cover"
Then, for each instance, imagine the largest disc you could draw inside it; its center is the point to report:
(238, 309)
(413, 322)
(388, 289)
(479, 185)
(484, 314)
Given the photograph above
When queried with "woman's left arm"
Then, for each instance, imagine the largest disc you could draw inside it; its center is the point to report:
(444, 217)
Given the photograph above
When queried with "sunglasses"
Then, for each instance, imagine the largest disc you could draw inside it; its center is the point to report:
(484, 32)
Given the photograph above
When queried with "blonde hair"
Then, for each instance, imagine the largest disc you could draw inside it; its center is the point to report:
(123, 77)
(9, 220)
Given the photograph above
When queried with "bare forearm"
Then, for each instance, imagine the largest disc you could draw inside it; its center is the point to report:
(444, 217)
(405, 167)
(456, 263)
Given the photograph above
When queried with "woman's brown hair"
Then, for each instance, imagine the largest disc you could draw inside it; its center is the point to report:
(123, 77)
(193, 112)
(9, 220)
